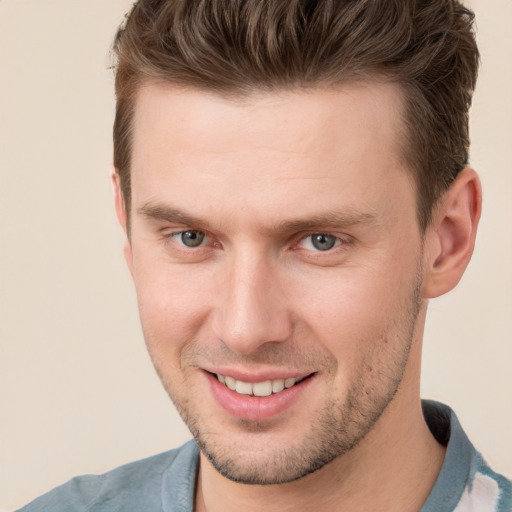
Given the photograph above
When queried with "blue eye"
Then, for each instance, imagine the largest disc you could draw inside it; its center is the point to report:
(320, 242)
(191, 238)
(323, 242)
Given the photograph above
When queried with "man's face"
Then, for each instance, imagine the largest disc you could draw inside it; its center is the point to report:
(274, 243)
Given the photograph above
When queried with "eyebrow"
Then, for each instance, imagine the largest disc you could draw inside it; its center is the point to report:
(322, 222)
(326, 221)
(171, 215)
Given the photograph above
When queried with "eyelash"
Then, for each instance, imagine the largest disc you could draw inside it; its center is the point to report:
(177, 234)
(339, 241)
(310, 238)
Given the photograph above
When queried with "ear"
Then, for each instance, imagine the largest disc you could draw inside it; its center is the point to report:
(122, 217)
(450, 238)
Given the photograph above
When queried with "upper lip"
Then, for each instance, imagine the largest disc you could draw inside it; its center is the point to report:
(259, 376)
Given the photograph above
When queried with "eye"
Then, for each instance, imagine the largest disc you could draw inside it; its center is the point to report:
(190, 238)
(320, 242)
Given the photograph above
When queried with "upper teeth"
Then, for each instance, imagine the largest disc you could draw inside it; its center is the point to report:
(264, 388)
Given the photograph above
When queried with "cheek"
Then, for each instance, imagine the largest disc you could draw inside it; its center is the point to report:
(173, 304)
(349, 309)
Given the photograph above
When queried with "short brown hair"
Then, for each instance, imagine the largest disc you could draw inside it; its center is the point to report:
(234, 47)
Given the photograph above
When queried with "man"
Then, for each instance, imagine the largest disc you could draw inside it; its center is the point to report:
(292, 180)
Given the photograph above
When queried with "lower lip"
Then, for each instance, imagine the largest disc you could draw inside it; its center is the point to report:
(256, 408)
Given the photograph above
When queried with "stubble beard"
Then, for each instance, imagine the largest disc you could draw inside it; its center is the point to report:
(337, 429)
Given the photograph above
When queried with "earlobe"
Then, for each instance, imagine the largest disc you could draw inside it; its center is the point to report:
(122, 217)
(450, 239)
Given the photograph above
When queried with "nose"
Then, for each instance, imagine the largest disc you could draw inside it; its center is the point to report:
(252, 307)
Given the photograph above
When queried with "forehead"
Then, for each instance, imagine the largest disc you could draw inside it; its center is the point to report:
(268, 147)
(359, 109)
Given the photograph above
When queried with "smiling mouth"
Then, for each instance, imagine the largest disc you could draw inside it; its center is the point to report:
(265, 388)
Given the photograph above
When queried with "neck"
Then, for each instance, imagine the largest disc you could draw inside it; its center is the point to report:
(398, 477)
(393, 468)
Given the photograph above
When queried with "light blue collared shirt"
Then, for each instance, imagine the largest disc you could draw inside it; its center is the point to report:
(166, 482)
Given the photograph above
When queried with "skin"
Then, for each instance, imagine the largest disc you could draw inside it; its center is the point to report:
(258, 177)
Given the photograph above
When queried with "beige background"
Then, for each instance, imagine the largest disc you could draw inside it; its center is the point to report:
(78, 393)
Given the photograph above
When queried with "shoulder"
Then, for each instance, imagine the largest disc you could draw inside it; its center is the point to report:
(485, 490)
(466, 483)
(132, 487)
